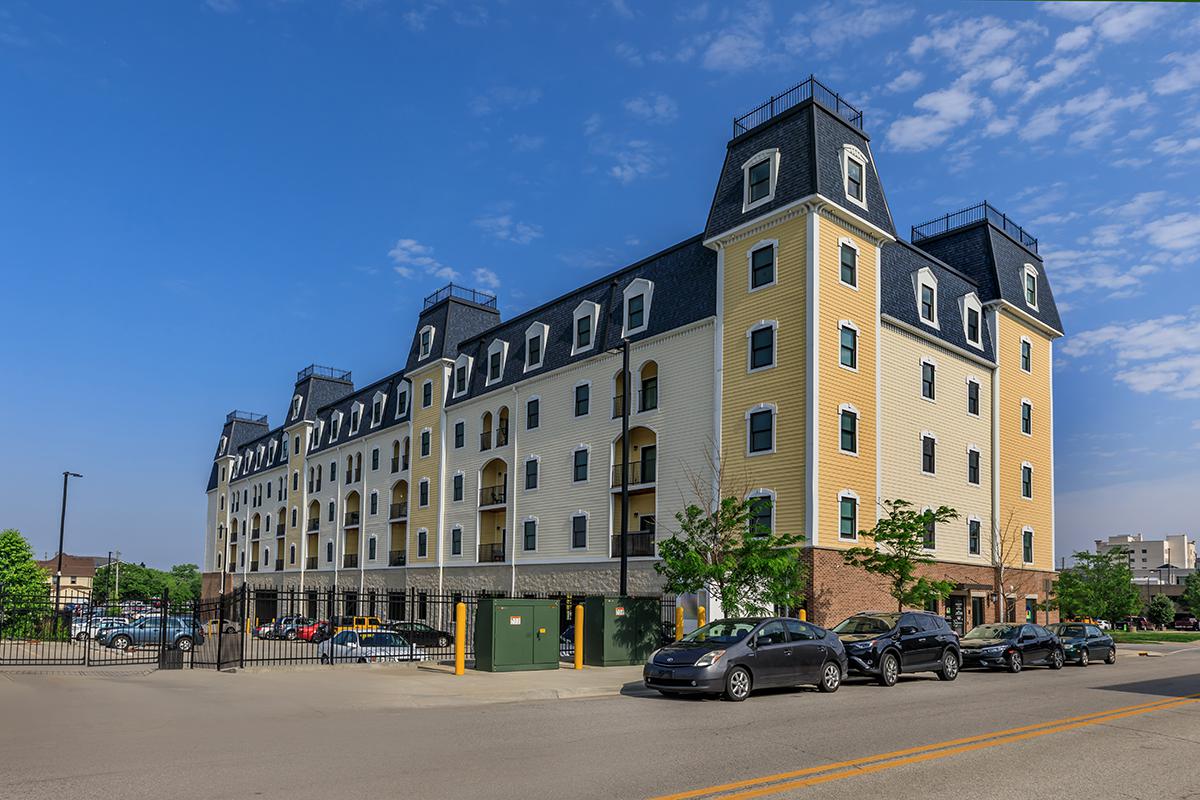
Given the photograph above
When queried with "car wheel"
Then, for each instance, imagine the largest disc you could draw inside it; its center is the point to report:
(184, 643)
(81, 636)
(949, 670)
(1014, 662)
(737, 684)
(121, 642)
(831, 677)
(1084, 657)
(324, 658)
(1111, 658)
(1056, 659)
(889, 669)
(443, 641)
(362, 660)
(291, 636)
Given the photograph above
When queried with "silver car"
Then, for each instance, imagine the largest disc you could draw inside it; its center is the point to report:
(84, 628)
(369, 647)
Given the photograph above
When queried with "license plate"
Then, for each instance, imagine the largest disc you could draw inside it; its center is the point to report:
(662, 673)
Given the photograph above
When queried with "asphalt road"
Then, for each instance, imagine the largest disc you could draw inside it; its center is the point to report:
(1104, 731)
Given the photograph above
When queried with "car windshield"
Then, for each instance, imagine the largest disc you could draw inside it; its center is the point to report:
(723, 631)
(992, 632)
(1067, 631)
(381, 640)
(861, 623)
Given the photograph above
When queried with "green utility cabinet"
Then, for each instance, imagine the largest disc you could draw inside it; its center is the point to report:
(516, 633)
(620, 630)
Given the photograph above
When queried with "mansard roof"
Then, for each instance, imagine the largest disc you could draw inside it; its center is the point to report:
(389, 386)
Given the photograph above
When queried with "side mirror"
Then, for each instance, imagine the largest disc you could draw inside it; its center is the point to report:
(907, 630)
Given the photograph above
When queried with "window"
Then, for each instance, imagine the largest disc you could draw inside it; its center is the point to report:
(854, 164)
(759, 178)
(531, 474)
(927, 303)
(579, 526)
(585, 317)
(930, 541)
(928, 380)
(426, 341)
(928, 454)
(635, 312)
(535, 338)
(331, 508)
(427, 394)
(371, 548)
(925, 286)
(583, 332)
(297, 401)
(762, 513)
(1031, 291)
(493, 367)
(973, 466)
(355, 418)
(402, 402)
(580, 466)
(329, 552)
(374, 503)
(973, 536)
(292, 554)
(456, 541)
(293, 516)
(460, 434)
(760, 181)
(423, 493)
(849, 265)
(422, 543)
(583, 394)
(425, 444)
(973, 397)
(1026, 417)
(1027, 546)
(529, 537)
(375, 459)
(1026, 481)
(648, 397)
(1026, 355)
(497, 356)
(533, 411)
(973, 325)
(847, 516)
(762, 266)
(377, 408)
(760, 428)
(460, 379)
(849, 429)
(849, 346)
(762, 346)
(458, 488)
(638, 296)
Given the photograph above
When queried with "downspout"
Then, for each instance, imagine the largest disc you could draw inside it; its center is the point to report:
(513, 473)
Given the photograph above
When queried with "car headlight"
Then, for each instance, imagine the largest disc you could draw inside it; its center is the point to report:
(653, 655)
(993, 651)
(709, 658)
(860, 645)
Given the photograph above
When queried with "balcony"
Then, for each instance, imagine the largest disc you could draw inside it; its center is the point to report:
(314, 525)
(350, 561)
(395, 464)
(475, 296)
(398, 510)
(351, 520)
(491, 553)
(637, 543)
(279, 565)
(485, 441)
(618, 406)
(502, 435)
(254, 566)
(640, 472)
(254, 534)
(233, 538)
(279, 529)
(397, 558)
(310, 562)
(231, 569)
(493, 496)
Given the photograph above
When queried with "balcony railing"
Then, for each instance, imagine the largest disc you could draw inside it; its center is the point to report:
(395, 464)
(232, 568)
(279, 565)
(397, 558)
(501, 435)
(811, 88)
(493, 495)
(639, 472)
(485, 441)
(969, 216)
(233, 538)
(332, 373)
(351, 520)
(310, 562)
(618, 406)
(279, 529)
(350, 561)
(254, 566)
(637, 543)
(454, 290)
(246, 416)
(491, 553)
(398, 510)
(314, 525)
(254, 534)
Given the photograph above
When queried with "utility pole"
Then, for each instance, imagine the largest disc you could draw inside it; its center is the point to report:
(62, 525)
(627, 394)
(117, 590)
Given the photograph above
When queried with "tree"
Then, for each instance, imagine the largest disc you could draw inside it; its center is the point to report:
(1098, 585)
(1162, 610)
(20, 576)
(713, 551)
(1007, 553)
(896, 550)
(1191, 594)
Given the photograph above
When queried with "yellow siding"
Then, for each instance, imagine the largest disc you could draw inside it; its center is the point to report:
(427, 467)
(838, 385)
(784, 385)
(1017, 512)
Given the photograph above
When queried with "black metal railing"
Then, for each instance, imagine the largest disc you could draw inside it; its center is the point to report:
(969, 216)
(254, 566)
(397, 558)
(310, 562)
(493, 495)
(279, 565)
(279, 529)
(501, 435)
(350, 561)
(246, 416)
(485, 441)
(805, 90)
(314, 525)
(395, 464)
(639, 472)
(315, 370)
(231, 568)
(491, 553)
(233, 537)
(637, 543)
(254, 534)
(351, 519)
(618, 406)
(398, 510)
(485, 299)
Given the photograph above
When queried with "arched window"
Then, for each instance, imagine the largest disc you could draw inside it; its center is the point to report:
(648, 389)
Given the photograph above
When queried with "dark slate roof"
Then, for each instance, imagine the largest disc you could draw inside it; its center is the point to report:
(248, 450)
(316, 392)
(898, 261)
(996, 261)
(390, 386)
(685, 291)
(810, 140)
(454, 320)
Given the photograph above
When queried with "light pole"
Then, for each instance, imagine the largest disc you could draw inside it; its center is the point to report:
(626, 394)
(62, 524)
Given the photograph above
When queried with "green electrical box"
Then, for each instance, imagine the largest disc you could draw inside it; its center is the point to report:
(516, 633)
(620, 630)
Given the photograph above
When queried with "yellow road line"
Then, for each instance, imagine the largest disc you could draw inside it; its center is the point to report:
(867, 764)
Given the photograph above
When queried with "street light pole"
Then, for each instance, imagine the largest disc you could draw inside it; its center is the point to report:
(62, 525)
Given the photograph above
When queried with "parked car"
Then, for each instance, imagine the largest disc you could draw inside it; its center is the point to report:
(315, 632)
(1185, 621)
(263, 631)
(369, 646)
(288, 627)
(422, 634)
(1104, 625)
(735, 656)
(180, 633)
(884, 645)
(1011, 646)
(1136, 623)
(84, 628)
(356, 624)
(1084, 643)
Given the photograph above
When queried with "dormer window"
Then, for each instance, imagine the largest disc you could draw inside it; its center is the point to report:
(759, 178)
(1031, 291)
(426, 335)
(377, 408)
(972, 317)
(854, 169)
(637, 305)
(224, 444)
(355, 417)
(584, 326)
(297, 401)
(284, 444)
(402, 402)
(925, 284)
(336, 426)
(462, 374)
(497, 355)
(535, 344)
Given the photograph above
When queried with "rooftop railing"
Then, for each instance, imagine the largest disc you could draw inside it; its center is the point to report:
(486, 299)
(317, 371)
(969, 216)
(246, 416)
(811, 89)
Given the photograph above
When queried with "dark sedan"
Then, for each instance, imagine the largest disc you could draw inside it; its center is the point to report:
(421, 634)
(882, 645)
(734, 656)
(1011, 646)
(1084, 643)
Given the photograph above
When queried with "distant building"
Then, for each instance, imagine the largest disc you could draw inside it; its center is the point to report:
(78, 573)
(1174, 551)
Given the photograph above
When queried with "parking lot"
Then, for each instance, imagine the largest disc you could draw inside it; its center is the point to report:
(394, 729)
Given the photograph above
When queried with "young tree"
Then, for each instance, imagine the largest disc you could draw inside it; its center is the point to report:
(1191, 594)
(1007, 552)
(1162, 610)
(20, 576)
(1099, 585)
(896, 549)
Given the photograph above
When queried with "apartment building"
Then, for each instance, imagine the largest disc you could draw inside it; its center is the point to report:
(797, 349)
(1174, 550)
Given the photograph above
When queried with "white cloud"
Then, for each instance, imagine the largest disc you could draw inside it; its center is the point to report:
(629, 54)
(655, 107)
(506, 229)
(1171, 146)
(621, 9)
(909, 79)
(636, 159)
(740, 44)
(1097, 113)
(591, 125)
(1073, 40)
(696, 13)
(832, 25)
(486, 278)
(1123, 22)
(945, 110)
(526, 143)
(1176, 232)
(410, 255)
(1062, 70)
(1185, 75)
(504, 98)
(1000, 126)
(1160, 355)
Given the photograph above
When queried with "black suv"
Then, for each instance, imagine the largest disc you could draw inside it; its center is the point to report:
(883, 645)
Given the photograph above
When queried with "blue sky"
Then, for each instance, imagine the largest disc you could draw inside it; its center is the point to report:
(201, 198)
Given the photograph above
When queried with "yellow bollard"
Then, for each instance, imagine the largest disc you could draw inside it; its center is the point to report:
(678, 623)
(804, 615)
(700, 617)
(579, 636)
(460, 638)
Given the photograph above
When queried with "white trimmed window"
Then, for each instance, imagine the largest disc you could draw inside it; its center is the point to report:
(637, 297)
(972, 317)
(532, 472)
(760, 340)
(848, 345)
(928, 379)
(854, 173)
(456, 541)
(462, 374)
(760, 429)
(1026, 354)
(974, 535)
(426, 394)
(1027, 545)
(402, 401)
(973, 471)
(762, 512)
(928, 453)
(762, 264)
(848, 429)
(1029, 278)
(497, 354)
(536, 336)
(1026, 480)
(529, 534)
(224, 444)
(579, 464)
(377, 403)
(355, 417)
(335, 426)
(297, 401)
(1026, 416)
(973, 397)
(426, 341)
(423, 493)
(426, 442)
(760, 177)
(925, 289)
(848, 262)
(583, 327)
(422, 543)
(582, 398)
(579, 530)
(847, 516)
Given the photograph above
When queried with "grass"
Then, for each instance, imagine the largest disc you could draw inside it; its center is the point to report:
(1145, 637)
